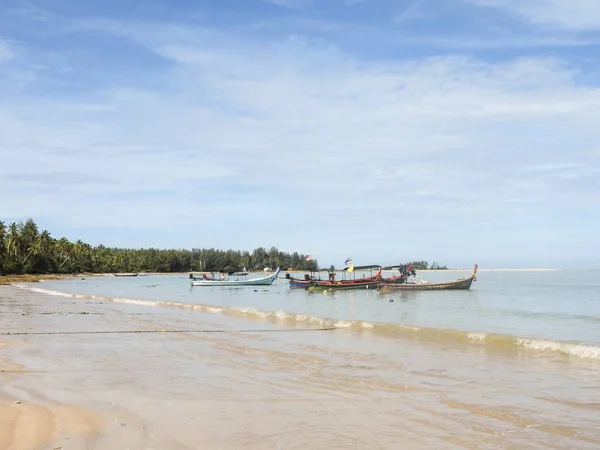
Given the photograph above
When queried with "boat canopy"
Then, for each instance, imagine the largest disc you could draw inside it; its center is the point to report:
(394, 266)
(371, 267)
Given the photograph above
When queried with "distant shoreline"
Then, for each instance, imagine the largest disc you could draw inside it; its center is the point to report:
(34, 278)
(494, 270)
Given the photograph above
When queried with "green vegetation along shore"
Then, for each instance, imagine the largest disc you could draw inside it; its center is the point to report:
(26, 254)
(26, 250)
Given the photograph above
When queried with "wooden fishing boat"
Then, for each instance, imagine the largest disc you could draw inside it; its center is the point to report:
(401, 283)
(365, 282)
(123, 274)
(239, 280)
(211, 275)
(302, 283)
(344, 285)
(296, 283)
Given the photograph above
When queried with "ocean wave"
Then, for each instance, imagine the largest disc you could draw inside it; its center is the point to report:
(579, 350)
(493, 341)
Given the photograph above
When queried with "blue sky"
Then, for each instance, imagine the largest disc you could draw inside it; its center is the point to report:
(452, 130)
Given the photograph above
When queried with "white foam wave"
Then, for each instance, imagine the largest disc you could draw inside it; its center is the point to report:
(281, 315)
(578, 350)
(133, 301)
(316, 320)
(566, 348)
(45, 291)
(477, 336)
(343, 324)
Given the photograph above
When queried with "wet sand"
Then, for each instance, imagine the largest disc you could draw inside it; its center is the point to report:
(276, 388)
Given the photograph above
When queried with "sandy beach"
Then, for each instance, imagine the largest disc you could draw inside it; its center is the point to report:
(87, 382)
(155, 390)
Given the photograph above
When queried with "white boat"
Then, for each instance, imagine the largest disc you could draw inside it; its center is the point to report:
(237, 281)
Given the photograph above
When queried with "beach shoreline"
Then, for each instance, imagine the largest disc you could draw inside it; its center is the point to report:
(89, 373)
(6, 280)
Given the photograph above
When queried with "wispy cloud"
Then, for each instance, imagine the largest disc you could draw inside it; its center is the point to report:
(414, 9)
(5, 50)
(244, 138)
(572, 14)
(57, 179)
(292, 4)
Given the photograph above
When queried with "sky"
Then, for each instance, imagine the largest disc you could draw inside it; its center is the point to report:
(459, 131)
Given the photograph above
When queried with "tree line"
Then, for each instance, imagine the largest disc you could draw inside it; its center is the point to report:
(24, 249)
(424, 265)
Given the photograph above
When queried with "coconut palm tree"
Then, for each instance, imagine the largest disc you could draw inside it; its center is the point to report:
(63, 250)
(13, 240)
(34, 249)
(2, 245)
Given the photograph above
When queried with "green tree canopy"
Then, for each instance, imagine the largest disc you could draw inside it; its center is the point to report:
(26, 250)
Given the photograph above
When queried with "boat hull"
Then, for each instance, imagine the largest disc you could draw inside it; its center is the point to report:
(344, 285)
(445, 286)
(262, 281)
(301, 284)
(126, 274)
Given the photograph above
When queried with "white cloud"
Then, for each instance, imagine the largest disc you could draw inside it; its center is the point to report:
(292, 4)
(571, 14)
(6, 52)
(412, 10)
(273, 138)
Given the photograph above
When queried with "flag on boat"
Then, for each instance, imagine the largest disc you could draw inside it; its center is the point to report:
(351, 268)
(309, 258)
(348, 261)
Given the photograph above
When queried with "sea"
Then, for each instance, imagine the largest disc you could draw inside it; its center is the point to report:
(514, 362)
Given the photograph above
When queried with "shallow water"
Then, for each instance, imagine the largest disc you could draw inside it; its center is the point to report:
(553, 311)
(282, 388)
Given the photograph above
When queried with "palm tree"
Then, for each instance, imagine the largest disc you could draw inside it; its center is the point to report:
(13, 240)
(63, 251)
(35, 248)
(46, 243)
(2, 245)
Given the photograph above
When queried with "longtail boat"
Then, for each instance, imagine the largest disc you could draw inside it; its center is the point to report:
(401, 283)
(122, 274)
(239, 280)
(344, 285)
(302, 283)
(297, 283)
(366, 282)
(211, 275)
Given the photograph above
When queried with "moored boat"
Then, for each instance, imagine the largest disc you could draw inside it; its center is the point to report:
(239, 280)
(345, 285)
(302, 283)
(364, 282)
(402, 283)
(211, 275)
(295, 283)
(124, 274)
